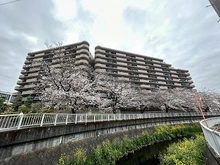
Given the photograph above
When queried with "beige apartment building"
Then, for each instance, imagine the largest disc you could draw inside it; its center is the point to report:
(139, 70)
(29, 79)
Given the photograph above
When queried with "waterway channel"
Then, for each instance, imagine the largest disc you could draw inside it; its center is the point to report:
(146, 156)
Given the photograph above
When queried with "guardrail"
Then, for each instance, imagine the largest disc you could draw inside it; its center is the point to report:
(212, 136)
(18, 121)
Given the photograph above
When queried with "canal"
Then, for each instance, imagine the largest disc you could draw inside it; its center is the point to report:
(146, 156)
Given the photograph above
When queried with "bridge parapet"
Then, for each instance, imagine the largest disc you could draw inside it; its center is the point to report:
(18, 121)
(212, 136)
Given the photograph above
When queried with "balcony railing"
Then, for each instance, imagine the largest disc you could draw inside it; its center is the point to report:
(211, 135)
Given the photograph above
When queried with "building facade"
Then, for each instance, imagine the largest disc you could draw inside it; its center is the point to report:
(216, 5)
(29, 78)
(139, 70)
(7, 96)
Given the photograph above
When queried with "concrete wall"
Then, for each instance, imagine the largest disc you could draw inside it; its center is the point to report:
(211, 157)
(44, 145)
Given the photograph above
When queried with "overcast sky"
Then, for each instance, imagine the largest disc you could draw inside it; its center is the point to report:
(182, 32)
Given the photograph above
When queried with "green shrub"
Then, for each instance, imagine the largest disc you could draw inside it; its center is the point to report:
(109, 152)
(23, 109)
(190, 151)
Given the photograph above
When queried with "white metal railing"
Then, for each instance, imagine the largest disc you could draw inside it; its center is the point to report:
(17, 121)
(212, 136)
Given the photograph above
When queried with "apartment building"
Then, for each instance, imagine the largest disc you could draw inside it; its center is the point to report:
(29, 78)
(216, 5)
(140, 70)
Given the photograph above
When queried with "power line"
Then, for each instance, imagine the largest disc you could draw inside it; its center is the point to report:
(8, 77)
(1, 4)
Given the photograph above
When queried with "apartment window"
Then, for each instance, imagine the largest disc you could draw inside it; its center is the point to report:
(152, 76)
(170, 83)
(133, 69)
(111, 71)
(130, 56)
(111, 66)
(165, 66)
(133, 74)
(184, 80)
(168, 78)
(134, 79)
(180, 75)
(171, 87)
(149, 63)
(154, 86)
(166, 70)
(179, 71)
(113, 52)
(153, 81)
(185, 84)
(129, 64)
(148, 59)
(167, 74)
(150, 67)
(109, 56)
(111, 61)
(152, 72)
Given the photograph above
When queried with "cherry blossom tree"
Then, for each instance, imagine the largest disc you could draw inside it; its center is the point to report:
(113, 90)
(208, 99)
(62, 82)
(138, 98)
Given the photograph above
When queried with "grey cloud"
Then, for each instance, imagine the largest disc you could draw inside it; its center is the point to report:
(33, 18)
(136, 17)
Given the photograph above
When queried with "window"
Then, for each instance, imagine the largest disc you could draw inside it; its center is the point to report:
(165, 66)
(153, 81)
(134, 79)
(185, 84)
(170, 83)
(133, 69)
(149, 63)
(152, 72)
(152, 76)
(134, 74)
(154, 86)
(130, 56)
(167, 74)
(166, 70)
(111, 61)
(168, 78)
(111, 66)
(148, 59)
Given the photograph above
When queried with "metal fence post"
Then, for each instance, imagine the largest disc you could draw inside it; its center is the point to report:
(21, 115)
(76, 119)
(67, 118)
(42, 120)
(55, 121)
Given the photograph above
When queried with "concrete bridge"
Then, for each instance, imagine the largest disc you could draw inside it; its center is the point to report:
(42, 138)
(211, 130)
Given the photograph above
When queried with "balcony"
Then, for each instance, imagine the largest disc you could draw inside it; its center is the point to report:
(18, 88)
(19, 82)
(212, 136)
(21, 77)
(23, 71)
(27, 62)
